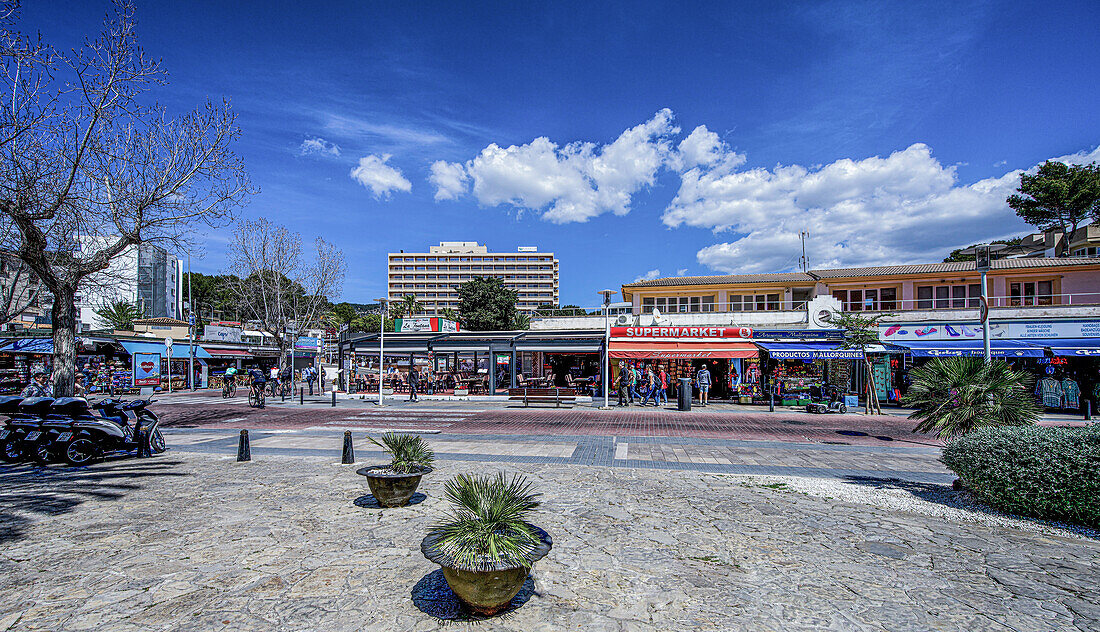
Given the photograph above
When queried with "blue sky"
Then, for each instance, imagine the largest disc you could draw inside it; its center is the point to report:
(677, 138)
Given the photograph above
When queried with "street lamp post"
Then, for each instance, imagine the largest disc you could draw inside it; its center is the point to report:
(606, 294)
(983, 263)
(381, 346)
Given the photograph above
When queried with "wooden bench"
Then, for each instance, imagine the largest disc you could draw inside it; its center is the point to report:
(555, 396)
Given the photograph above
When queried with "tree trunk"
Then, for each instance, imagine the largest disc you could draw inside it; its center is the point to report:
(64, 340)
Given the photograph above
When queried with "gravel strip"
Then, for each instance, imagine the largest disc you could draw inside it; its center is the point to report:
(926, 499)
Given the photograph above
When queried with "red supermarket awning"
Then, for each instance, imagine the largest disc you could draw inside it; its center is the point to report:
(229, 353)
(681, 349)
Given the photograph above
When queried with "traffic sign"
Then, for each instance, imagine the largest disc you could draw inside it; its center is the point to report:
(168, 342)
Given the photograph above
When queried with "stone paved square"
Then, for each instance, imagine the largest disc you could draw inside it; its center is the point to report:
(195, 541)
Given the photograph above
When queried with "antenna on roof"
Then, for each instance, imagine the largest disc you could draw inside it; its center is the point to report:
(802, 235)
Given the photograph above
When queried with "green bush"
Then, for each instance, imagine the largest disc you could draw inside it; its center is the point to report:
(1051, 473)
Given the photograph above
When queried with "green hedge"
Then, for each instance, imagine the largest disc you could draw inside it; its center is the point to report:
(1051, 473)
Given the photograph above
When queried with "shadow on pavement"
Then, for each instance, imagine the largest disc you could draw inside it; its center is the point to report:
(370, 502)
(432, 596)
(29, 490)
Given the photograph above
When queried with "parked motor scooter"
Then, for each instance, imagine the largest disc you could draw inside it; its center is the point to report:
(35, 441)
(110, 433)
(11, 436)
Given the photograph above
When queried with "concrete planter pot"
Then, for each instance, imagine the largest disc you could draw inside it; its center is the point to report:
(391, 490)
(486, 592)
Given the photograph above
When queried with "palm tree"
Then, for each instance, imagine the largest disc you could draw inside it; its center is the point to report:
(411, 306)
(954, 396)
(449, 314)
(119, 315)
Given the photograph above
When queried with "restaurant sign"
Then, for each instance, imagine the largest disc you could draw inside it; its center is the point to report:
(681, 332)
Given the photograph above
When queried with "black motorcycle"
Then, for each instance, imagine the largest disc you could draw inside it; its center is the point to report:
(34, 438)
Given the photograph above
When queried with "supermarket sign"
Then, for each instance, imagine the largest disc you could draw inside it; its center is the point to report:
(681, 332)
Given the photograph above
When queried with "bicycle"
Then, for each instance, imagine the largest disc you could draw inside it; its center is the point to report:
(229, 388)
(256, 396)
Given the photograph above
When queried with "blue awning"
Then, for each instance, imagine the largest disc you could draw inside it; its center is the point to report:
(178, 351)
(971, 348)
(1073, 347)
(42, 346)
(809, 351)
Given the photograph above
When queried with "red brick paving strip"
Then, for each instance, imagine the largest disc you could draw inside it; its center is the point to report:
(799, 427)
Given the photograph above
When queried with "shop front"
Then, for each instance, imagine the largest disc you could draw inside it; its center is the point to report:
(566, 359)
(730, 357)
(796, 369)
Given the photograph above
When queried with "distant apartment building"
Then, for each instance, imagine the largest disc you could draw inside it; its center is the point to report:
(145, 275)
(434, 276)
(21, 290)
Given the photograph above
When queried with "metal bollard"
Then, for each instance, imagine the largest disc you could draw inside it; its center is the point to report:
(334, 399)
(1088, 410)
(771, 401)
(301, 397)
(243, 451)
(348, 457)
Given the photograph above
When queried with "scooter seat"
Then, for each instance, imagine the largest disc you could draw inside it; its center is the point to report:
(70, 406)
(37, 406)
(9, 404)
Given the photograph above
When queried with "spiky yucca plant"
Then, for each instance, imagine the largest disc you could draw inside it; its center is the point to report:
(487, 526)
(408, 453)
(954, 396)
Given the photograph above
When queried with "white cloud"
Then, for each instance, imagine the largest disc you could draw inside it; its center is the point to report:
(380, 178)
(318, 146)
(704, 147)
(573, 183)
(649, 276)
(449, 179)
(904, 208)
(682, 272)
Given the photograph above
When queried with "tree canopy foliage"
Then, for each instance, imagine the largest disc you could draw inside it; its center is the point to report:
(484, 304)
(1058, 196)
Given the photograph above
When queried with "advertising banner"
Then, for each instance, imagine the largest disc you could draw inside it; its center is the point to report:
(1004, 330)
(146, 369)
(219, 333)
(441, 325)
(307, 343)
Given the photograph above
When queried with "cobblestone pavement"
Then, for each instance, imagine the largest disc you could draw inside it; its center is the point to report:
(192, 541)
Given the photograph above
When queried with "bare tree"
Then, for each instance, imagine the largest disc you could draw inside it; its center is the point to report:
(19, 288)
(275, 286)
(89, 169)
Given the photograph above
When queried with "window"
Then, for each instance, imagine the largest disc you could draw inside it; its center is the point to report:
(773, 302)
(1032, 293)
(888, 298)
(924, 297)
(708, 303)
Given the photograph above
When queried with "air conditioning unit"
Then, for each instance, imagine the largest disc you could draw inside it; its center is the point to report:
(624, 319)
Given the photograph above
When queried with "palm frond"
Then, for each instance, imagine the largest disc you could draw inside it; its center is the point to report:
(487, 525)
(408, 453)
(954, 396)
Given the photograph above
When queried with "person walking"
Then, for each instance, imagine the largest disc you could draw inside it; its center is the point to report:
(650, 381)
(703, 379)
(624, 383)
(633, 383)
(662, 386)
(414, 382)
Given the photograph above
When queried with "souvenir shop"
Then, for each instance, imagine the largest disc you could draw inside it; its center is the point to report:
(796, 369)
(20, 358)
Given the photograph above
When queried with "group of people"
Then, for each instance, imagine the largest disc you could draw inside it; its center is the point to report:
(276, 377)
(650, 382)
